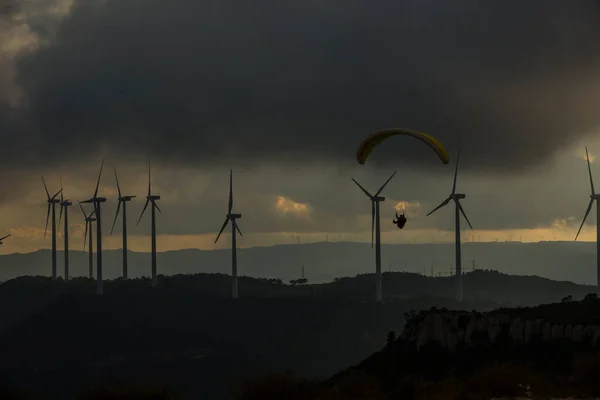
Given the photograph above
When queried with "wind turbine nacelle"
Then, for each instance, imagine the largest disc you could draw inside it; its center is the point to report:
(380, 198)
(126, 198)
(153, 198)
(459, 196)
(94, 200)
(66, 204)
(235, 216)
(54, 201)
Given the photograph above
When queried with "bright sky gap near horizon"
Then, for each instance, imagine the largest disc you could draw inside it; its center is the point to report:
(284, 98)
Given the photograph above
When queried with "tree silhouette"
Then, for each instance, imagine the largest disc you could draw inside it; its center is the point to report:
(391, 338)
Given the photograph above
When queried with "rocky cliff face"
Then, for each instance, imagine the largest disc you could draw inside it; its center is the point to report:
(453, 328)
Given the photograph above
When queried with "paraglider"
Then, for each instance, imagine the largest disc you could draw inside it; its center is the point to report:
(373, 140)
(367, 146)
(400, 220)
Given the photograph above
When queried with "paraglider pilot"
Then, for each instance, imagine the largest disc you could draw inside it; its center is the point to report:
(400, 220)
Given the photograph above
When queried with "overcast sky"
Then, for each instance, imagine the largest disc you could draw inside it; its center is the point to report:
(283, 93)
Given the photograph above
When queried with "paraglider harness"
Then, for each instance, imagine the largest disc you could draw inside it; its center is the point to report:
(400, 220)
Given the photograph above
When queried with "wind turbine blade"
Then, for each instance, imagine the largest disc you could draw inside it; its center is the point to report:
(47, 219)
(456, 171)
(144, 210)
(221, 231)
(117, 179)
(372, 221)
(99, 176)
(87, 223)
(46, 187)
(589, 170)
(230, 191)
(362, 188)
(62, 199)
(116, 215)
(60, 217)
(57, 193)
(83, 211)
(238, 229)
(440, 206)
(587, 212)
(386, 182)
(149, 187)
(463, 213)
(157, 207)
(2, 238)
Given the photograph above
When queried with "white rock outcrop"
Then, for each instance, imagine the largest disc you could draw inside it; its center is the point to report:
(451, 329)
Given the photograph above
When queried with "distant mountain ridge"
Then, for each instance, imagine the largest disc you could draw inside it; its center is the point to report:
(324, 261)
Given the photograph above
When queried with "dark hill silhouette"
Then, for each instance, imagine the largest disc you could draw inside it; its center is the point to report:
(506, 368)
(61, 339)
(21, 296)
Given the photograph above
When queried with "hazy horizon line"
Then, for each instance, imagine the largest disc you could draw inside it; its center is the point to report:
(452, 243)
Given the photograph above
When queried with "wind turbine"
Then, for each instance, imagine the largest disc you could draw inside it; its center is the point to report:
(458, 210)
(65, 204)
(152, 199)
(2, 238)
(593, 196)
(52, 201)
(88, 225)
(97, 202)
(234, 227)
(123, 200)
(376, 226)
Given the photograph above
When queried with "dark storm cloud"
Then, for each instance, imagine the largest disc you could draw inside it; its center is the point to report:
(192, 81)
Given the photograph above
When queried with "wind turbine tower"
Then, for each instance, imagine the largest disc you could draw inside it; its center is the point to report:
(593, 196)
(122, 200)
(52, 201)
(376, 226)
(234, 227)
(152, 199)
(97, 202)
(88, 229)
(457, 211)
(65, 204)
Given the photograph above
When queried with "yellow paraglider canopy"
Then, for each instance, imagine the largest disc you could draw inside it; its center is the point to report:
(367, 146)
